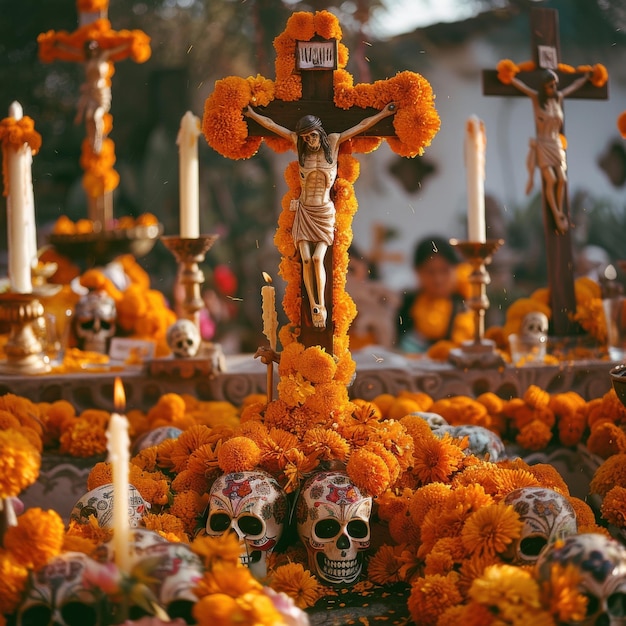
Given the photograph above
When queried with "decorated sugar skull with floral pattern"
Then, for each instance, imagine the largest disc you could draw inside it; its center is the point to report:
(482, 442)
(601, 564)
(95, 318)
(546, 516)
(99, 503)
(333, 517)
(254, 506)
(57, 595)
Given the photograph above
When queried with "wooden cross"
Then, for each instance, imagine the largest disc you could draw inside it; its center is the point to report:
(546, 55)
(317, 99)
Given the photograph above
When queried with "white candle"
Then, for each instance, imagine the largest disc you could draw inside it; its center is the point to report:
(118, 445)
(22, 238)
(270, 317)
(475, 144)
(187, 141)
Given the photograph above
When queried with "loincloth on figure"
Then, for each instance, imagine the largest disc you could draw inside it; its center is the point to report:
(548, 153)
(314, 223)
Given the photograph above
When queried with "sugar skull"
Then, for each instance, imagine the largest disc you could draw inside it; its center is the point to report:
(482, 442)
(254, 506)
(438, 423)
(95, 321)
(534, 327)
(601, 564)
(57, 594)
(99, 503)
(546, 516)
(155, 437)
(183, 338)
(333, 518)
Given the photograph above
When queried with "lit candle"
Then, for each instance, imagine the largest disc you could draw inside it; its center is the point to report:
(475, 144)
(187, 141)
(21, 230)
(118, 444)
(270, 318)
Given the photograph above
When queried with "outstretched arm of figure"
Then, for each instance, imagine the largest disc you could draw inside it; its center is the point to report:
(77, 52)
(577, 84)
(523, 87)
(368, 122)
(270, 124)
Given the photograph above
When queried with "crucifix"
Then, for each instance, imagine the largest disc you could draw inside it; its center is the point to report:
(317, 128)
(547, 87)
(97, 47)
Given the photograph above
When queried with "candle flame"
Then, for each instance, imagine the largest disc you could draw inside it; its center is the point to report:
(119, 397)
(267, 278)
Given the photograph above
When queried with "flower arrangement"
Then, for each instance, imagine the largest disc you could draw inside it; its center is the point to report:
(15, 133)
(621, 124)
(508, 69)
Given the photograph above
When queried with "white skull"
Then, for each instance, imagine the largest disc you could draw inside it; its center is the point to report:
(94, 321)
(99, 503)
(334, 525)
(437, 423)
(183, 338)
(601, 563)
(534, 327)
(482, 442)
(254, 506)
(57, 596)
(154, 437)
(546, 516)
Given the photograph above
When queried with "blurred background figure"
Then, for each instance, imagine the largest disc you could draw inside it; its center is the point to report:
(436, 310)
(376, 304)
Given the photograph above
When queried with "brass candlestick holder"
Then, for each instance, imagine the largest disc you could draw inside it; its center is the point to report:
(189, 252)
(23, 348)
(480, 352)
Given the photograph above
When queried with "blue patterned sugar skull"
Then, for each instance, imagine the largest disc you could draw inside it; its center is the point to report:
(601, 563)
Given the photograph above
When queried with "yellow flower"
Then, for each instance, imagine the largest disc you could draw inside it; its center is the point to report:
(13, 576)
(561, 594)
(19, 463)
(491, 529)
(37, 537)
(293, 389)
(503, 585)
(222, 550)
(326, 444)
(298, 583)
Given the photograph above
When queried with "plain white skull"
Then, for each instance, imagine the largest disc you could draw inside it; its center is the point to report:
(601, 564)
(546, 516)
(99, 503)
(534, 327)
(254, 506)
(333, 518)
(56, 594)
(95, 321)
(183, 338)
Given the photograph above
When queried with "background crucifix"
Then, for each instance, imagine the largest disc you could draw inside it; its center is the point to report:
(316, 61)
(558, 241)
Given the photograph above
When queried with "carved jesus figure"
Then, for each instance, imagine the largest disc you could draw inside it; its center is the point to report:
(546, 150)
(314, 222)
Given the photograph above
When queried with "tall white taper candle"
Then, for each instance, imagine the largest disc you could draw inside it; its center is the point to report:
(475, 144)
(187, 141)
(21, 230)
(118, 445)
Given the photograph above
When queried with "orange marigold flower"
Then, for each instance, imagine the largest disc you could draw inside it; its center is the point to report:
(233, 580)
(238, 454)
(506, 71)
(613, 507)
(165, 523)
(37, 537)
(506, 480)
(431, 595)
(549, 477)
(493, 403)
(294, 389)
(472, 614)
(368, 471)
(621, 124)
(402, 407)
(584, 513)
(561, 594)
(316, 365)
(536, 397)
(426, 498)
(187, 505)
(437, 459)
(571, 429)
(502, 585)
(298, 583)
(606, 439)
(220, 550)
(535, 435)
(19, 463)
(188, 441)
(491, 529)
(190, 481)
(327, 444)
(83, 438)
(612, 473)
(383, 568)
(13, 577)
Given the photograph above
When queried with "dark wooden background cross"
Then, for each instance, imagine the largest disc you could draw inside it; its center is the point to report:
(317, 99)
(560, 264)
